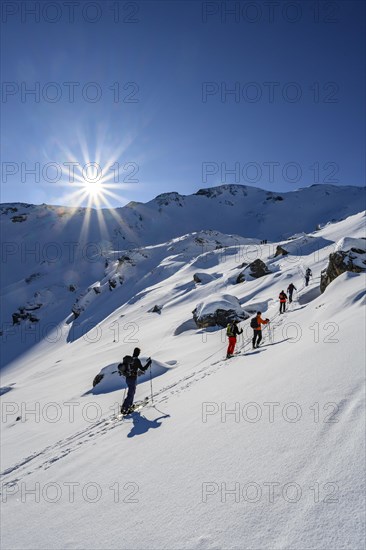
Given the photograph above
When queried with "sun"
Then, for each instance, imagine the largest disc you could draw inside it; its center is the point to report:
(93, 180)
(93, 189)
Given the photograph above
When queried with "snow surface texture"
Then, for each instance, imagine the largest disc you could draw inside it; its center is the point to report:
(263, 451)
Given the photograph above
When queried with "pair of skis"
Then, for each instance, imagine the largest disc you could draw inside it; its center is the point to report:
(135, 408)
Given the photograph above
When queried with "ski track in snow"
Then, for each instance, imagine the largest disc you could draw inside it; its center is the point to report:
(53, 453)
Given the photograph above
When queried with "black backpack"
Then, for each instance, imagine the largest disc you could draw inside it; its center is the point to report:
(125, 368)
(254, 322)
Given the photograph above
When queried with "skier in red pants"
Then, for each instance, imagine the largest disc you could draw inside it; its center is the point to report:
(232, 331)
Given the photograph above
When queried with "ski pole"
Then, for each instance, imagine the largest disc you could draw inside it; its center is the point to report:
(124, 396)
(270, 333)
(151, 388)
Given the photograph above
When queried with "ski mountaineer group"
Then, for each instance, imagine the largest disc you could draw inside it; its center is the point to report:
(131, 366)
(233, 331)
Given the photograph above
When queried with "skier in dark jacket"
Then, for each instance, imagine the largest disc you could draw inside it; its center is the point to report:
(308, 274)
(232, 331)
(290, 289)
(131, 380)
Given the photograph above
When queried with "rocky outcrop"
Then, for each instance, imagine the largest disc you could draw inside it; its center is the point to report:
(165, 199)
(280, 251)
(24, 314)
(218, 312)
(258, 269)
(20, 218)
(274, 198)
(255, 270)
(32, 277)
(342, 260)
(156, 309)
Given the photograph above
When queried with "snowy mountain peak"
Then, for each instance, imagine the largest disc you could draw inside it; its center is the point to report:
(230, 189)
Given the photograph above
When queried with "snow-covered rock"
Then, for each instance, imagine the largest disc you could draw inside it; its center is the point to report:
(218, 311)
(109, 379)
(204, 278)
(349, 255)
(254, 270)
(280, 251)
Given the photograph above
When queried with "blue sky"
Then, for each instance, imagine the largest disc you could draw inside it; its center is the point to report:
(151, 92)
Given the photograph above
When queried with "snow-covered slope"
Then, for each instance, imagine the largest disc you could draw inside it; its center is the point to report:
(281, 427)
(56, 260)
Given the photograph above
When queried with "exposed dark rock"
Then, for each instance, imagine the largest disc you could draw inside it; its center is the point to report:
(274, 198)
(280, 251)
(9, 209)
(233, 189)
(20, 218)
(76, 312)
(340, 262)
(220, 317)
(112, 284)
(219, 311)
(125, 260)
(32, 277)
(156, 309)
(23, 315)
(169, 198)
(258, 269)
(99, 377)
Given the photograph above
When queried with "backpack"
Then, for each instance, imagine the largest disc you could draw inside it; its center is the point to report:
(254, 322)
(229, 330)
(125, 368)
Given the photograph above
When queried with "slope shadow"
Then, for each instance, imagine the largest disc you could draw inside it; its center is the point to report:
(308, 295)
(142, 425)
(186, 325)
(6, 389)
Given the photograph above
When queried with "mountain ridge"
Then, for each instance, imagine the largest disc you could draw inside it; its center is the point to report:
(247, 211)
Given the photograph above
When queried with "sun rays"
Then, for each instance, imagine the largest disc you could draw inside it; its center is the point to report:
(93, 181)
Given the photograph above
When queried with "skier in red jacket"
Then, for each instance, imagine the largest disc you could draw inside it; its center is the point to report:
(283, 300)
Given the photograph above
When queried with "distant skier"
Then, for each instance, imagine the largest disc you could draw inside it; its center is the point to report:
(283, 299)
(130, 368)
(308, 274)
(232, 332)
(256, 323)
(290, 289)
